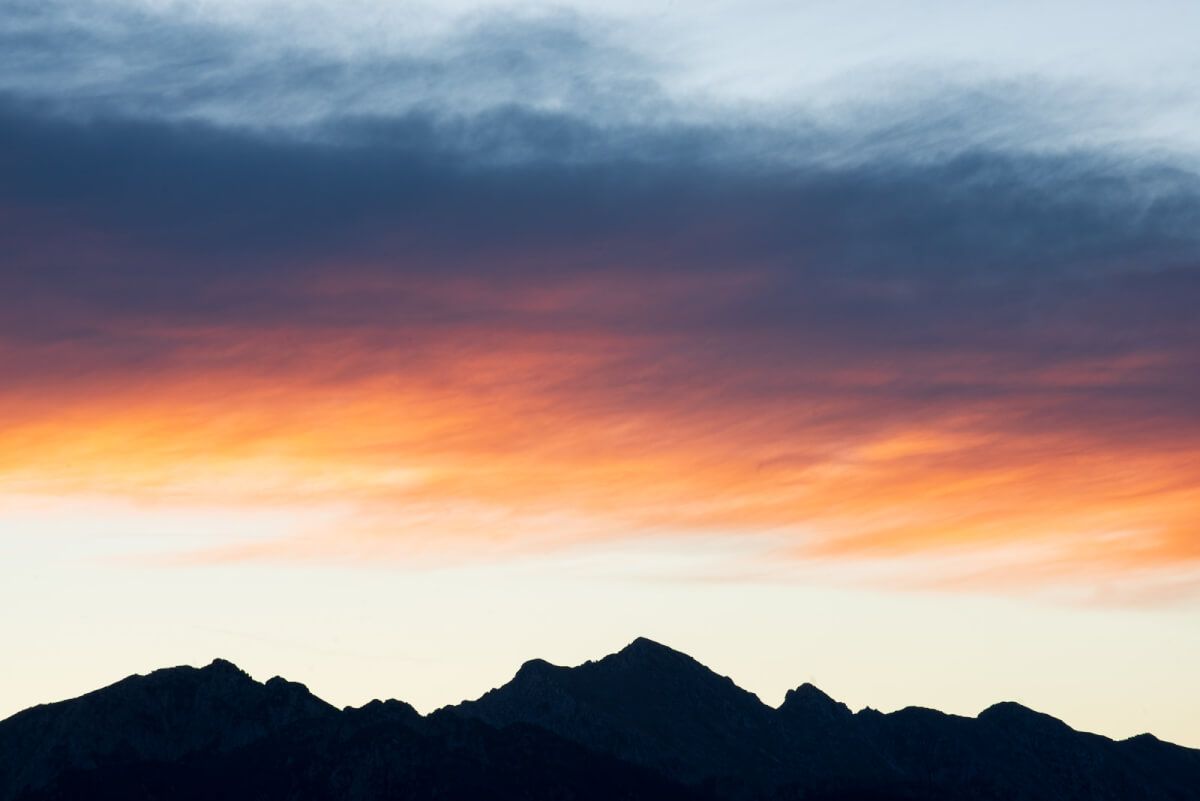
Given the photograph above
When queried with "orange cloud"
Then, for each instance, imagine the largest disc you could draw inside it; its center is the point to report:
(474, 443)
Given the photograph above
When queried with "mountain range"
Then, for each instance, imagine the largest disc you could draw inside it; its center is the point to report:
(647, 722)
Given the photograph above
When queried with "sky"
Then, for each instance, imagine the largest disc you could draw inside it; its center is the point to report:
(384, 346)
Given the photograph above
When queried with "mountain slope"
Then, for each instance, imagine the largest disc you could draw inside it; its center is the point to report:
(1011, 752)
(656, 707)
(646, 722)
(162, 716)
(647, 704)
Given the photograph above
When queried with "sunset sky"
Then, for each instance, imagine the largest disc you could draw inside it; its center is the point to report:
(384, 346)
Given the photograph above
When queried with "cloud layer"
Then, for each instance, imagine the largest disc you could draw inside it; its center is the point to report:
(507, 290)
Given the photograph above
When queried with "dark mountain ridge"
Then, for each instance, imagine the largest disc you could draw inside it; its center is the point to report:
(646, 722)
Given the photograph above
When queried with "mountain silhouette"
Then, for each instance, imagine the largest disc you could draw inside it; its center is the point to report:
(161, 717)
(647, 704)
(646, 722)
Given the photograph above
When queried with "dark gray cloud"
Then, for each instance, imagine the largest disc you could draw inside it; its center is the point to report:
(526, 157)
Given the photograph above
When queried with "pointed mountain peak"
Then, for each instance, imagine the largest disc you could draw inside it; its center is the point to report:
(537, 676)
(647, 645)
(1008, 708)
(390, 710)
(223, 667)
(652, 669)
(537, 667)
(807, 693)
(647, 703)
(809, 700)
(219, 686)
(228, 683)
(648, 654)
(159, 716)
(220, 675)
(1010, 714)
